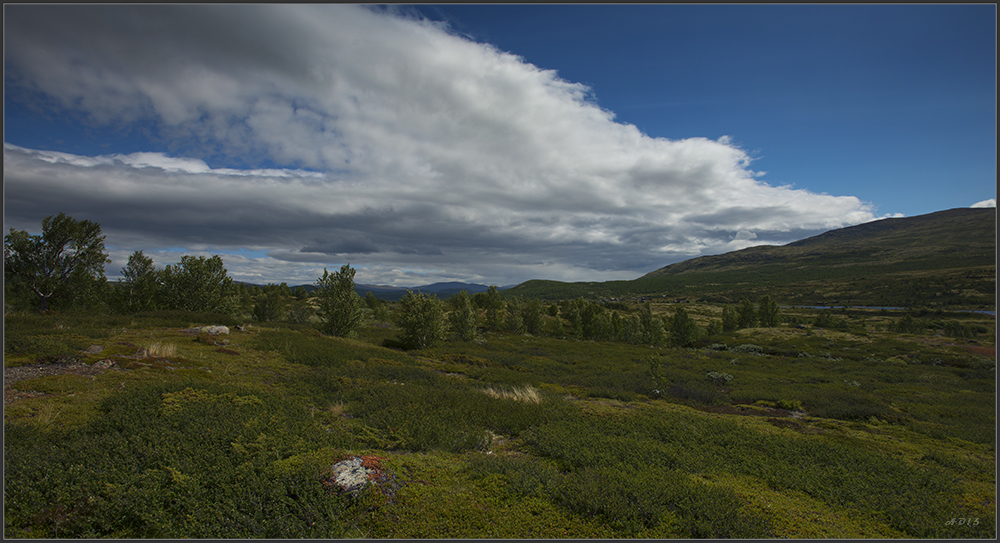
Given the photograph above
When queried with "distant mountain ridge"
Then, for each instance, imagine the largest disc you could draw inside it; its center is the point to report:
(390, 293)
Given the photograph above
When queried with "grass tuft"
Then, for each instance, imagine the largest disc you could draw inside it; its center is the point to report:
(526, 394)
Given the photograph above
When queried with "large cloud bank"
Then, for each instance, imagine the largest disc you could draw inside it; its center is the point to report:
(415, 154)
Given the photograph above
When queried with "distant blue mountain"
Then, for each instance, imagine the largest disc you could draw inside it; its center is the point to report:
(393, 294)
(441, 290)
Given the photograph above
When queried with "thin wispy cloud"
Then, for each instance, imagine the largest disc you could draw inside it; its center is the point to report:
(352, 135)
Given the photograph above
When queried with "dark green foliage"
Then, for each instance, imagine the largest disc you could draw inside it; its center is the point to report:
(299, 314)
(139, 285)
(176, 461)
(650, 326)
(826, 319)
(462, 316)
(957, 329)
(300, 293)
(198, 284)
(767, 312)
(906, 325)
(268, 307)
(730, 321)
(683, 329)
(657, 383)
(746, 315)
(339, 304)
(493, 304)
(65, 264)
(532, 316)
(514, 318)
(648, 442)
(420, 320)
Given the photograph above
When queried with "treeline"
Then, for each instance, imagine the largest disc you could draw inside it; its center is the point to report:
(64, 268)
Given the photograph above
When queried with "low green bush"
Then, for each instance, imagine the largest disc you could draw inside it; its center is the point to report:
(174, 461)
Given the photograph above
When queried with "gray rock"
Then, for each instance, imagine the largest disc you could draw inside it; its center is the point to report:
(350, 475)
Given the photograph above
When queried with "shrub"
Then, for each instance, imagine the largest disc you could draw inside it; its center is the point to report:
(339, 304)
(719, 378)
(748, 348)
(421, 320)
(697, 393)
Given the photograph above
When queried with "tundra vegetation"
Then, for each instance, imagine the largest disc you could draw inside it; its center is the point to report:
(491, 416)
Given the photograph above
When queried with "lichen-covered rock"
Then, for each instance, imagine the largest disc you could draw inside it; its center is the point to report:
(353, 474)
(350, 475)
(213, 330)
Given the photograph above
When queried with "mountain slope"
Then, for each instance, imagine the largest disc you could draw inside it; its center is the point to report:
(952, 238)
(946, 258)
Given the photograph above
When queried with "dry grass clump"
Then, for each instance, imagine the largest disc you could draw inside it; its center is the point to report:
(161, 350)
(526, 394)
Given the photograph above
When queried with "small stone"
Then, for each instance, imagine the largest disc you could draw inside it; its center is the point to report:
(104, 364)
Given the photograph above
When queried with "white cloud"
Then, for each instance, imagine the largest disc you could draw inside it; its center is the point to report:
(992, 202)
(406, 148)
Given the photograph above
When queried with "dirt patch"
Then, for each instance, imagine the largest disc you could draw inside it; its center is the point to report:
(21, 373)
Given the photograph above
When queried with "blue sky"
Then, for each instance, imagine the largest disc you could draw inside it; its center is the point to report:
(490, 144)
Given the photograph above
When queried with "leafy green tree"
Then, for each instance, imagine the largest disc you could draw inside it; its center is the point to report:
(650, 326)
(300, 293)
(532, 316)
(514, 321)
(746, 315)
(339, 304)
(656, 379)
(601, 327)
(463, 316)
(371, 301)
(767, 312)
(66, 262)
(139, 284)
(268, 307)
(572, 311)
(631, 329)
(714, 327)
(493, 305)
(590, 320)
(199, 284)
(617, 327)
(299, 313)
(905, 325)
(683, 329)
(421, 320)
(730, 321)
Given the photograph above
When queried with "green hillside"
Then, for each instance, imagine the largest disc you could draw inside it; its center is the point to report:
(946, 258)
